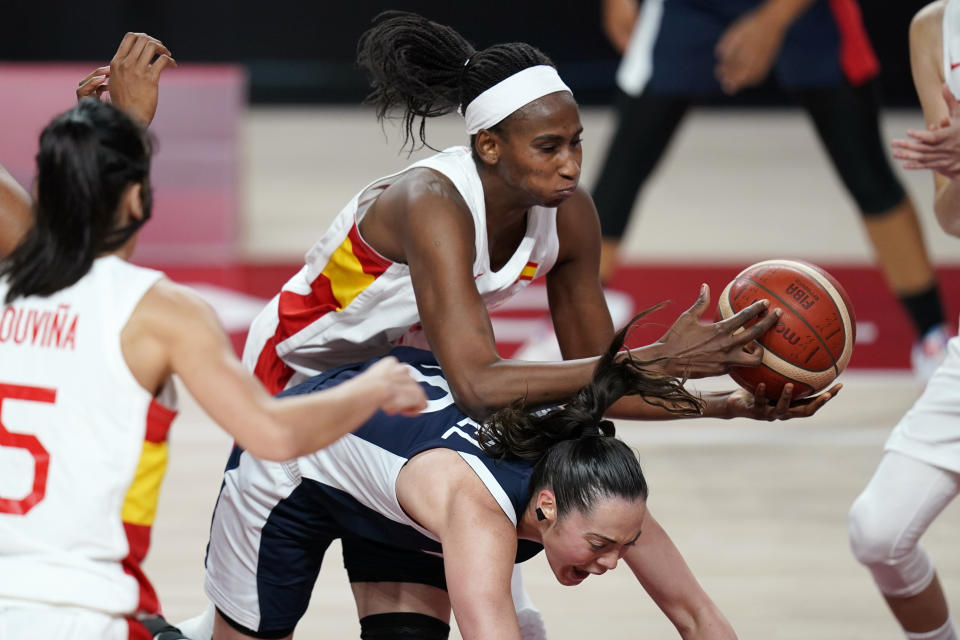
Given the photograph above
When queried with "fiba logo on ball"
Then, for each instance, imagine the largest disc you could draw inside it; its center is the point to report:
(812, 342)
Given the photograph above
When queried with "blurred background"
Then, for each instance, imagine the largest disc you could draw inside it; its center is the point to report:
(262, 138)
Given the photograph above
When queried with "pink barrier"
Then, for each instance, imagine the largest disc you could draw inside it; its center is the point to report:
(196, 165)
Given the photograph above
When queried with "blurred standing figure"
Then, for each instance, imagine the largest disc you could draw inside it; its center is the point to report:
(676, 51)
(919, 474)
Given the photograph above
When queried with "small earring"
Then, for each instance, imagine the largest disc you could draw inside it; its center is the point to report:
(540, 515)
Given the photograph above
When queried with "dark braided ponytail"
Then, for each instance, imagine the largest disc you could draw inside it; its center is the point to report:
(424, 69)
(573, 447)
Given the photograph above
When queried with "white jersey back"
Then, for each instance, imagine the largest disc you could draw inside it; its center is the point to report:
(82, 447)
(349, 304)
(951, 45)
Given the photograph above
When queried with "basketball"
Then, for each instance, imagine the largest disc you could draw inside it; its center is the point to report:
(812, 342)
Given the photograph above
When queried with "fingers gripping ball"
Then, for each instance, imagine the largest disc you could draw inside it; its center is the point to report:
(813, 341)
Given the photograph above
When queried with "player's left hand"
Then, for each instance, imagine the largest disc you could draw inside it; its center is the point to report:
(938, 147)
(747, 50)
(94, 84)
(743, 404)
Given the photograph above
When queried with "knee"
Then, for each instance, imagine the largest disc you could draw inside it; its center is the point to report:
(873, 535)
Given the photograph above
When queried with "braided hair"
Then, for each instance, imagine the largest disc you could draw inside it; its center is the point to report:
(573, 447)
(422, 69)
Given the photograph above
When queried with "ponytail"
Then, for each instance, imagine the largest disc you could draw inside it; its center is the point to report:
(88, 157)
(574, 449)
(424, 69)
(513, 432)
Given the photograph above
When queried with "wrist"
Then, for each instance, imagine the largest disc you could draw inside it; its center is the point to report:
(715, 405)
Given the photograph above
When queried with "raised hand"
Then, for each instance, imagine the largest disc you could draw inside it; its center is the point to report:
(938, 147)
(694, 349)
(743, 404)
(94, 84)
(404, 394)
(133, 77)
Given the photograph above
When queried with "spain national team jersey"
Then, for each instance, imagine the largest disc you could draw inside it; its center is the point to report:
(83, 447)
(350, 304)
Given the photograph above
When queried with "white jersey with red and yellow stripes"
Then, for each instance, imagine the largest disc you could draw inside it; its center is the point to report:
(350, 304)
(83, 447)
(951, 46)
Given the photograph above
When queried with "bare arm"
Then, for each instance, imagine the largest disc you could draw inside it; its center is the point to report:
(172, 331)
(479, 542)
(15, 215)
(665, 576)
(619, 17)
(938, 147)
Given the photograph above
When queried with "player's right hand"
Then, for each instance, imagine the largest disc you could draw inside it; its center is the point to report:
(134, 75)
(403, 394)
(694, 349)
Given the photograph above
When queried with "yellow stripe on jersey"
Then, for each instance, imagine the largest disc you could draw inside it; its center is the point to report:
(529, 271)
(346, 276)
(140, 504)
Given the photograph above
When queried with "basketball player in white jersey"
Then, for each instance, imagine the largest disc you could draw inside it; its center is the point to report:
(88, 345)
(420, 257)
(919, 473)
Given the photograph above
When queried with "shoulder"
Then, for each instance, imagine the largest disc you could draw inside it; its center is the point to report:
(926, 27)
(171, 308)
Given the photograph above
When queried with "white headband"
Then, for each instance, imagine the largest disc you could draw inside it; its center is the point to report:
(505, 97)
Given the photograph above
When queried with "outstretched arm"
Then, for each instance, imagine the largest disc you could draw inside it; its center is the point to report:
(479, 542)
(173, 331)
(665, 576)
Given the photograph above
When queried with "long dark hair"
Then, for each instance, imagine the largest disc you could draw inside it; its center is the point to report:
(424, 69)
(574, 448)
(87, 158)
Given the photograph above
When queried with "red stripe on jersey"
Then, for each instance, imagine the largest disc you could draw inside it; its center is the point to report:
(271, 370)
(159, 419)
(138, 540)
(136, 630)
(370, 261)
(857, 58)
(297, 311)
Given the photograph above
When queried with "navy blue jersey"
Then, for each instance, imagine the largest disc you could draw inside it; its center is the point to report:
(357, 474)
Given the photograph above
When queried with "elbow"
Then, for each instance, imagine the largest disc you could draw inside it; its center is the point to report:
(473, 396)
(275, 442)
(948, 219)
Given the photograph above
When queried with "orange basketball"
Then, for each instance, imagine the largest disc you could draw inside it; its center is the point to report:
(812, 342)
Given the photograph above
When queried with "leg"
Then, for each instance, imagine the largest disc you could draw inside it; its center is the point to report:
(645, 126)
(399, 593)
(846, 119)
(886, 522)
(269, 532)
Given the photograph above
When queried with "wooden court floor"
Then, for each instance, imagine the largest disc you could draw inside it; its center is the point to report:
(759, 510)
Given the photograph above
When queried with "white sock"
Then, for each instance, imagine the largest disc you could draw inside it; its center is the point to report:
(199, 627)
(946, 632)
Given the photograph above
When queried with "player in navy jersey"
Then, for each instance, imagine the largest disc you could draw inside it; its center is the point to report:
(482, 496)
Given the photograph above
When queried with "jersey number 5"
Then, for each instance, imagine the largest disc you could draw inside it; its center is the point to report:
(41, 459)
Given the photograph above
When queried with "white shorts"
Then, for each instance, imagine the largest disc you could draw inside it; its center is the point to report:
(930, 430)
(31, 622)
